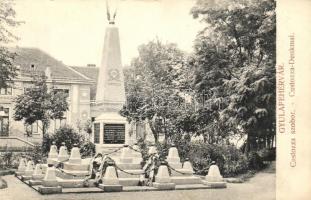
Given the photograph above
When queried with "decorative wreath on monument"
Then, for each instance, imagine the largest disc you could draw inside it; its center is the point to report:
(114, 74)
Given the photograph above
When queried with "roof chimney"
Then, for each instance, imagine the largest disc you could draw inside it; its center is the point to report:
(91, 65)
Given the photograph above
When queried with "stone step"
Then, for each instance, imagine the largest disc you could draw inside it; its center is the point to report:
(75, 183)
(181, 172)
(70, 183)
(129, 166)
(69, 174)
(186, 180)
(76, 167)
(129, 181)
(137, 173)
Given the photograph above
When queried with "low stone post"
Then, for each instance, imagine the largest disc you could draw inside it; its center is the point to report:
(110, 180)
(162, 179)
(30, 168)
(63, 153)
(49, 182)
(75, 157)
(126, 154)
(53, 154)
(173, 158)
(214, 179)
(37, 176)
(21, 167)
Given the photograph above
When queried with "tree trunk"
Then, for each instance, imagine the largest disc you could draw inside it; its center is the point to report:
(154, 132)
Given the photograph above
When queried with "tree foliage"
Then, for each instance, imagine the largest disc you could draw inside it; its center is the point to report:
(39, 103)
(154, 88)
(234, 62)
(7, 22)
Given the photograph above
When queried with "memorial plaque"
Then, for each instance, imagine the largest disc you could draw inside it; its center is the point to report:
(114, 133)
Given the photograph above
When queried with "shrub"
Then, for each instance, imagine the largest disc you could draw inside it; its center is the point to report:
(230, 160)
(87, 149)
(7, 158)
(267, 154)
(255, 162)
(36, 155)
(64, 134)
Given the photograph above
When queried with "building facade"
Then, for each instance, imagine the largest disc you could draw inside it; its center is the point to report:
(78, 86)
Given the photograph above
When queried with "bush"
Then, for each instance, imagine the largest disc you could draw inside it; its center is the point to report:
(230, 160)
(36, 155)
(87, 149)
(64, 134)
(9, 160)
(267, 154)
(255, 162)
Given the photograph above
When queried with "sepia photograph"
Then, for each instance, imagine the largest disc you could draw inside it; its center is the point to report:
(144, 99)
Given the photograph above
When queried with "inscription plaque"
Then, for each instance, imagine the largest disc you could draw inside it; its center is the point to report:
(114, 133)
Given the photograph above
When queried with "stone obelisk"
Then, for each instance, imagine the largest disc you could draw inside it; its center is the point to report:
(110, 95)
(110, 128)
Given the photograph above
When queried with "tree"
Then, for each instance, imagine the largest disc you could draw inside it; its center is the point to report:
(7, 22)
(38, 103)
(153, 87)
(234, 62)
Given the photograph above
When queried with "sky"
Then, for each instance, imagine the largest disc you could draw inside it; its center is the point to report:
(73, 30)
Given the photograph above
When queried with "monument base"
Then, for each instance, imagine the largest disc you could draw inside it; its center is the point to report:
(111, 188)
(50, 190)
(186, 180)
(26, 178)
(37, 176)
(164, 186)
(35, 182)
(215, 184)
(110, 132)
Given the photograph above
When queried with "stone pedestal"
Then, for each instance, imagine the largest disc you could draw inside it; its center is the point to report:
(110, 181)
(63, 153)
(53, 154)
(49, 179)
(126, 155)
(110, 132)
(173, 155)
(21, 167)
(37, 176)
(75, 157)
(50, 190)
(186, 177)
(38, 173)
(29, 171)
(214, 179)
(49, 182)
(163, 180)
(136, 154)
(173, 159)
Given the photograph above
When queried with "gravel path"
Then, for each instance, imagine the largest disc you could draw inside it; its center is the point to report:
(260, 187)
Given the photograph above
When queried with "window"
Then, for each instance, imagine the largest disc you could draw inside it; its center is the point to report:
(6, 91)
(32, 129)
(65, 91)
(27, 89)
(63, 122)
(35, 127)
(4, 123)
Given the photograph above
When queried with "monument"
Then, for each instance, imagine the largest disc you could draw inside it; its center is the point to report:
(110, 128)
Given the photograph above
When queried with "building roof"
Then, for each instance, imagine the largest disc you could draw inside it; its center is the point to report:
(91, 73)
(26, 57)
